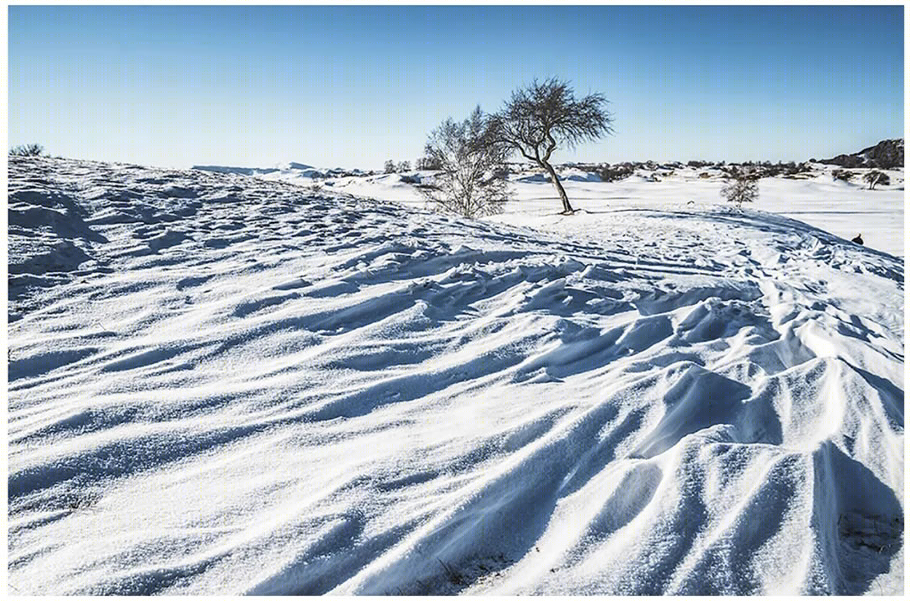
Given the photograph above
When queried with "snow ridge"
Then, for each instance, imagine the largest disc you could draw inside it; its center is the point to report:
(226, 387)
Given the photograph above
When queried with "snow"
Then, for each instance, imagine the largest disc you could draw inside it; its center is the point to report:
(221, 384)
(843, 209)
(283, 171)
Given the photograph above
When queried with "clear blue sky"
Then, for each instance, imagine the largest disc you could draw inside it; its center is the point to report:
(352, 86)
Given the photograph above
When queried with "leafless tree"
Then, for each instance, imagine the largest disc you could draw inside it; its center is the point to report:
(389, 166)
(741, 187)
(876, 177)
(468, 183)
(404, 166)
(543, 116)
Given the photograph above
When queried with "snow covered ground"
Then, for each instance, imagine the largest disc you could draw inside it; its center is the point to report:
(221, 385)
(843, 209)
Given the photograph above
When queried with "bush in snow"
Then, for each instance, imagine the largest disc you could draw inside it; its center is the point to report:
(842, 174)
(27, 150)
(404, 166)
(468, 184)
(428, 164)
(875, 177)
(741, 187)
(613, 173)
(502, 172)
(389, 166)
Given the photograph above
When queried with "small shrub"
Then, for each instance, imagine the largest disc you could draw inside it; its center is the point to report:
(389, 166)
(741, 187)
(27, 150)
(842, 175)
(614, 173)
(404, 166)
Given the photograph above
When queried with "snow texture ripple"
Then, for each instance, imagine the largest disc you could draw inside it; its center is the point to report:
(226, 385)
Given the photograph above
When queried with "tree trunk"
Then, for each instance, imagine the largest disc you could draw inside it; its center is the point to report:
(566, 207)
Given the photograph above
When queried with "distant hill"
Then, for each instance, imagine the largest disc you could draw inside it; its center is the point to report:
(887, 154)
(235, 170)
(284, 171)
(254, 170)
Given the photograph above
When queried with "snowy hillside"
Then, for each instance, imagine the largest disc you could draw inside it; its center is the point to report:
(841, 208)
(228, 385)
(291, 171)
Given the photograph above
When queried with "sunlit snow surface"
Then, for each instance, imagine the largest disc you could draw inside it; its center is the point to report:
(224, 385)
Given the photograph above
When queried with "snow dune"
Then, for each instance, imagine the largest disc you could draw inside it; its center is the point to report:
(223, 385)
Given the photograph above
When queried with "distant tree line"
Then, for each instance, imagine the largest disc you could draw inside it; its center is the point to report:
(393, 167)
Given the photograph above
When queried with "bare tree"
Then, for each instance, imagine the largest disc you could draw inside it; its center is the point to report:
(876, 177)
(404, 166)
(741, 187)
(469, 183)
(389, 166)
(543, 116)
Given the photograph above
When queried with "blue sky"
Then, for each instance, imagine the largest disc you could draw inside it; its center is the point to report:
(352, 86)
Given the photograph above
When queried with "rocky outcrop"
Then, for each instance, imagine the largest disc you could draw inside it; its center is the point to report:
(887, 154)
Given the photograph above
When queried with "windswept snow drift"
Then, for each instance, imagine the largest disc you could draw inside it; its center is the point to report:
(218, 388)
